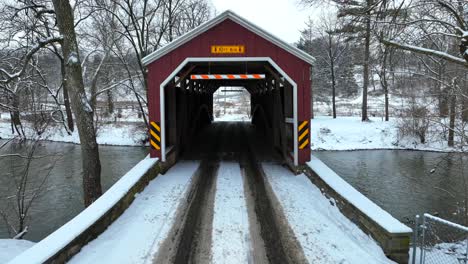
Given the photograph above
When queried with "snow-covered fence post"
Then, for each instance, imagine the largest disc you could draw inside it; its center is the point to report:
(423, 227)
(415, 239)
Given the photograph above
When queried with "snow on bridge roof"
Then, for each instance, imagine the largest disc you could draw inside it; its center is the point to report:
(217, 20)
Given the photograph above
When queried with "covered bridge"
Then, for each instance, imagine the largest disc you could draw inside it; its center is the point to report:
(229, 51)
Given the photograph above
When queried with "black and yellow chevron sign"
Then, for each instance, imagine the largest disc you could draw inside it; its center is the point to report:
(155, 138)
(303, 132)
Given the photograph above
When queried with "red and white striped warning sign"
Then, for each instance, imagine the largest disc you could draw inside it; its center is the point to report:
(226, 76)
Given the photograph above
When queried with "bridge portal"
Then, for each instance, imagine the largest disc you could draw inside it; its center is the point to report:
(229, 51)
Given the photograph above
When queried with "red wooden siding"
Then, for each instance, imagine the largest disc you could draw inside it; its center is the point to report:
(229, 32)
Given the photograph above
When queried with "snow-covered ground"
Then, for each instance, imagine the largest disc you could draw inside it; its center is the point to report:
(342, 133)
(10, 248)
(326, 235)
(350, 133)
(230, 235)
(136, 235)
(125, 134)
(232, 117)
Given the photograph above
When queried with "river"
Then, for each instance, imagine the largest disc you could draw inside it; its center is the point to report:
(61, 196)
(403, 182)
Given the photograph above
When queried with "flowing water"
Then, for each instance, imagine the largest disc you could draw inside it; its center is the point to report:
(60, 198)
(405, 183)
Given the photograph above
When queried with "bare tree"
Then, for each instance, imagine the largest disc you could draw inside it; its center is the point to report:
(336, 47)
(427, 19)
(26, 187)
(80, 104)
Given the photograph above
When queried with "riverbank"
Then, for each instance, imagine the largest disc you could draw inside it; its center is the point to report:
(350, 133)
(342, 133)
(118, 134)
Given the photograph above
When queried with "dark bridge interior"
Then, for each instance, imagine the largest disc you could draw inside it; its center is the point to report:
(189, 121)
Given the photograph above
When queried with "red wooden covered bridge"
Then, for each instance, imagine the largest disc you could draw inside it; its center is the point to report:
(229, 51)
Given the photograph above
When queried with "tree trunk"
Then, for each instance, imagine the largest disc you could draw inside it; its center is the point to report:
(453, 101)
(464, 40)
(66, 99)
(464, 110)
(80, 104)
(171, 21)
(386, 102)
(383, 80)
(16, 117)
(110, 102)
(332, 71)
(94, 82)
(365, 74)
(442, 96)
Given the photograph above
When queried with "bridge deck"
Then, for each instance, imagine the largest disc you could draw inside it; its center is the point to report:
(231, 207)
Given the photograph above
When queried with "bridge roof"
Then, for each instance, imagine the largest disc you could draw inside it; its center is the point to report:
(217, 20)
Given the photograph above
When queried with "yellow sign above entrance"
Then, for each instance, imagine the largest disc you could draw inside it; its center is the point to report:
(228, 49)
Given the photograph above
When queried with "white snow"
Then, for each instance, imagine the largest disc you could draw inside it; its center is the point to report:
(53, 243)
(108, 134)
(326, 235)
(85, 103)
(230, 234)
(232, 117)
(350, 133)
(5, 116)
(72, 58)
(10, 248)
(354, 197)
(138, 233)
(448, 223)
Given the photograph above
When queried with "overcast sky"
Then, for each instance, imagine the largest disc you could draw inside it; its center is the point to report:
(282, 18)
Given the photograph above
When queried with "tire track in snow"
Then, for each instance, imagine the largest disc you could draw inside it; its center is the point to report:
(279, 242)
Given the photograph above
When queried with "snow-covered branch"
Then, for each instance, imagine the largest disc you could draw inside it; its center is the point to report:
(8, 77)
(425, 51)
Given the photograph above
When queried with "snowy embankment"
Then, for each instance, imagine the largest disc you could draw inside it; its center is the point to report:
(230, 235)
(350, 133)
(63, 236)
(325, 234)
(10, 248)
(140, 231)
(122, 134)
